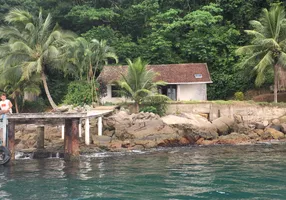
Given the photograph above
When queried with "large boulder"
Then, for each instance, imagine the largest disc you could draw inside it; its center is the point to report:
(148, 130)
(120, 118)
(147, 133)
(274, 133)
(233, 138)
(224, 125)
(192, 125)
(133, 125)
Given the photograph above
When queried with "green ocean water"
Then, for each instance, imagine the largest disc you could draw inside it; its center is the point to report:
(214, 172)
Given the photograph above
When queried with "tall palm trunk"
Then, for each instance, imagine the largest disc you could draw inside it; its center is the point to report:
(16, 104)
(276, 71)
(43, 76)
(136, 107)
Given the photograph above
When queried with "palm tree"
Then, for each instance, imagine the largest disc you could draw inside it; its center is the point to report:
(267, 49)
(33, 44)
(10, 80)
(139, 82)
(88, 58)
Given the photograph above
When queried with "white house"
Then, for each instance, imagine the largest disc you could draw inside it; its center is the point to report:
(184, 81)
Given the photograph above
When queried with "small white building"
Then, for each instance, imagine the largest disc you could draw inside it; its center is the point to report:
(184, 81)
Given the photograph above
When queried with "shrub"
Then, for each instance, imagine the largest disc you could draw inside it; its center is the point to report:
(158, 101)
(79, 93)
(239, 96)
(150, 109)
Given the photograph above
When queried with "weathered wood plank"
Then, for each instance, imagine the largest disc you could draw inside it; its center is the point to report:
(30, 116)
(55, 122)
(45, 115)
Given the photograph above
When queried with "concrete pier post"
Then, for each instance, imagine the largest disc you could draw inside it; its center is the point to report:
(63, 131)
(40, 137)
(79, 129)
(87, 132)
(100, 126)
(4, 130)
(11, 138)
(71, 140)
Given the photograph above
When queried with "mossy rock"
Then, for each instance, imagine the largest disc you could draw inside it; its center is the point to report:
(282, 119)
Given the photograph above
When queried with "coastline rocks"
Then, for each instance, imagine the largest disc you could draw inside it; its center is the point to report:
(192, 126)
(224, 125)
(274, 133)
(26, 137)
(147, 130)
(124, 132)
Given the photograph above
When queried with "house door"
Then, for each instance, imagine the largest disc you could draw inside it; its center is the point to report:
(170, 91)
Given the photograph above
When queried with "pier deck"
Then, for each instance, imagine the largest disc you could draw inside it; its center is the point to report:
(71, 122)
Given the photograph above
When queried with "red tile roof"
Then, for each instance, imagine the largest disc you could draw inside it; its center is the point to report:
(170, 73)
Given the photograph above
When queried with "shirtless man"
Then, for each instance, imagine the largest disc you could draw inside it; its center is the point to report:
(5, 105)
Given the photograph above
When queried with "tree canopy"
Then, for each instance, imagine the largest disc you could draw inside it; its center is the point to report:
(158, 31)
(267, 49)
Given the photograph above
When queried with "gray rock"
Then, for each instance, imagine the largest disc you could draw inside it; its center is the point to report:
(283, 128)
(259, 125)
(224, 125)
(276, 127)
(234, 136)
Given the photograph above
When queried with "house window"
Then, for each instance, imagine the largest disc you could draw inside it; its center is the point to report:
(169, 90)
(115, 91)
(198, 76)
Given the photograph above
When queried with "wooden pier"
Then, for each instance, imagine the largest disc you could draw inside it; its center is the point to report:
(71, 122)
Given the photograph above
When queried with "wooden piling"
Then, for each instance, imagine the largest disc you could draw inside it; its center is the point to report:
(71, 140)
(41, 137)
(11, 138)
(87, 131)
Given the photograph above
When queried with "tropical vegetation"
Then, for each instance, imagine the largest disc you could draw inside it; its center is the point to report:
(139, 83)
(48, 45)
(267, 49)
(31, 44)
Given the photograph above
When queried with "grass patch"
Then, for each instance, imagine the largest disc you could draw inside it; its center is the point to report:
(223, 102)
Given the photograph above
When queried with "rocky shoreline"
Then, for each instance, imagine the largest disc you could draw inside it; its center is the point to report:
(142, 131)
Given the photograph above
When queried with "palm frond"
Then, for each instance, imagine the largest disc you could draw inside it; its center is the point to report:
(255, 33)
(18, 16)
(28, 69)
(247, 50)
(282, 60)
(265, 62)
(20, 46)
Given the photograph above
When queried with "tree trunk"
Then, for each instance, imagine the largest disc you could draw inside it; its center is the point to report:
(16, 105)
(136, 107)
(276, 67)
(43, 76)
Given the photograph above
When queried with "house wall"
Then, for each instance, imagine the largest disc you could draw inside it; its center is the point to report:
(185, 92)
(108, 97)
(192, 92)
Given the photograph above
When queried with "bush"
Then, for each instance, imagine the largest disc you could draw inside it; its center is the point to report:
(79, 93)
(150, 109)
(157, 101)
(239, 96)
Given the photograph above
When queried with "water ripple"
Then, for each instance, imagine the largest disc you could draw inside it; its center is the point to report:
(217, 172)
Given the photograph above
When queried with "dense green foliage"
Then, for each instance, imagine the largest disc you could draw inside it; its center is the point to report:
(150, 109)
(159, 102)
(239, 96)
(158, 31)
(267, 49)
(78, 93)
